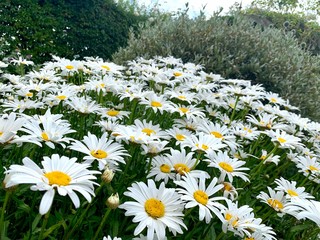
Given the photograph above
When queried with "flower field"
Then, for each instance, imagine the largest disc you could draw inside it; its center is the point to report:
(156, 149)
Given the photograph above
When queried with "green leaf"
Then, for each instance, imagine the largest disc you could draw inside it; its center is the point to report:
(35, 222)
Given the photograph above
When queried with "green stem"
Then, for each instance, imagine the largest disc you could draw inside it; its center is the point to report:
(306, 179)
(220, 235)
(266, 216)
(83, 214)
(133, 109)
(234, 110)
(44, 224)
(6, 199)
(256, 170)
(272, 151)
(198, 159)
(149, 165)
(102, 224)
(256, 144)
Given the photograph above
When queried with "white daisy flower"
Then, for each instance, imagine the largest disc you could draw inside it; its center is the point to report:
(179, 134)
(50, 130)
(153, 148)
(284, 139)
(276, 200)
(195, 193)
(59, 174)
(103, 150)
(161, 169)
(21, 105)
(22, 61)
(83, 105)
(113, 114)
(152, 131)
(183, 162)
(229, 191)
(303, 208)
(230, 167)
(291, 189)
(130, 134)
(309, 166)
(271, 158)
(203, 143)
(157, 103)
(154, 209)
(187, 111)
(9, 125)
(221, 132)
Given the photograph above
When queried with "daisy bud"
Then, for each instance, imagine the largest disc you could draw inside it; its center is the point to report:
(113, 201)
(107, 175)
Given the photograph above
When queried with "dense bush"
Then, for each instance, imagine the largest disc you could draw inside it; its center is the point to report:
(306, 31)
(235, 48)
(65, 27)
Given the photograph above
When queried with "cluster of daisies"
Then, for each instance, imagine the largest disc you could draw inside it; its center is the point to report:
(195, 143)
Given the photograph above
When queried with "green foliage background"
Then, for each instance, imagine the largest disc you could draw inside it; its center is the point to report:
(65, 27)
(235, 47)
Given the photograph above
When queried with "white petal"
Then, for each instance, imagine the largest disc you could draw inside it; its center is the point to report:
(46, 201)
(74, 198)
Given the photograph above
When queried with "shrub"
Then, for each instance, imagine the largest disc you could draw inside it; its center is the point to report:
(235, 48)
(65, 28)
(305, 30)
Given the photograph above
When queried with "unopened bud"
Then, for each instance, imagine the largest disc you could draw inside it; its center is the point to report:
(113, 201)
(107, 175)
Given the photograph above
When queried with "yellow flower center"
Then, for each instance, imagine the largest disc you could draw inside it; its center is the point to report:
(154, 208)
(113, 113)
(227, 186)
(177, 74)
(1, 133)
(165, 168)
(180, 137)
(61, 97)
(276, 204)
(281, 140)
(181, 168)
(216, 134)
(156, 104)
(226, 166)
(58, 178)
(313, 168)
(99, 154)
(106, 67)
(182, 97)
(292, 193)
(274, 100)
(203, 147)
(148, 131)
(263, 157)
(184, 110)
(201, 197)
(247, 129)
(69, 67)
(251, 238)
(228, 216)
(45, 136)
(29, 94)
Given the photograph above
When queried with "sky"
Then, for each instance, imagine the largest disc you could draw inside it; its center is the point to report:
(195, 5)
